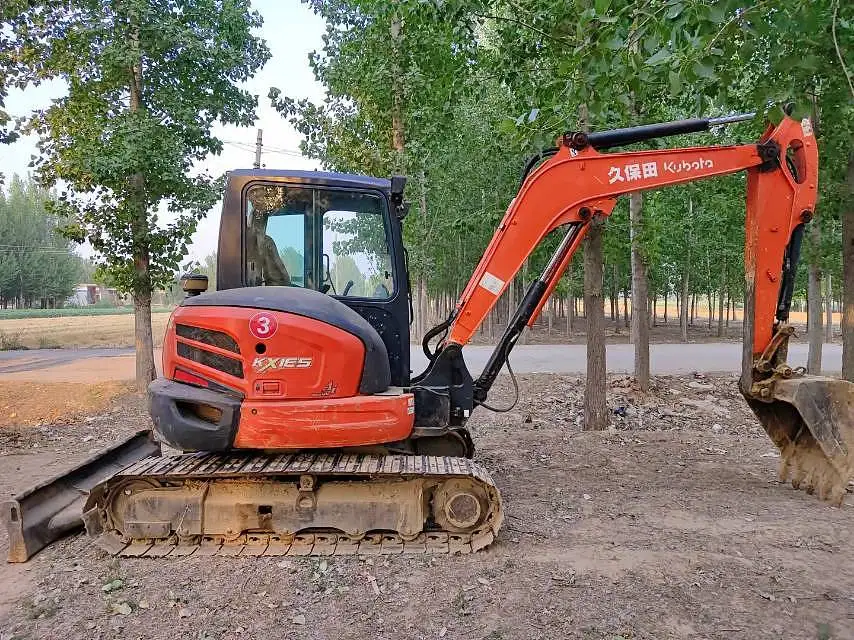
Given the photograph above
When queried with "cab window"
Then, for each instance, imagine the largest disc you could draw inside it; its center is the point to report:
(326, 239)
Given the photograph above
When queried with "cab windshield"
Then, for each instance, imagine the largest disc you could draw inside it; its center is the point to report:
(330, 240)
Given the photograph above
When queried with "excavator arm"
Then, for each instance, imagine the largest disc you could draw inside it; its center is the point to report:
(810, 419)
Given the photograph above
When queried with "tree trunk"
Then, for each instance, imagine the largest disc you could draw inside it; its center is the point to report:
(421, 305)
(665, 307)
(728, 308)
(398, 139)
(814, 323)
(693, 308)
(550, 314)
(683, 306)
(570, 301)
(595, 408)
(143, 339)
(828, 309)
(511, 300)
(711, 306)
(523, 337)
(568, 310)
(615, 302)
(625, 309)
(721, 303)
(815, 326)
(640, 283)
(653, 310)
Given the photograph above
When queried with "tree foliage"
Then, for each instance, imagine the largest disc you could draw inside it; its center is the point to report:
(146, 82)
(487, 83)
(37, 265)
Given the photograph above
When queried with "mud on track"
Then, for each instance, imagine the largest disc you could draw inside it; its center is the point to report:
(681, 532)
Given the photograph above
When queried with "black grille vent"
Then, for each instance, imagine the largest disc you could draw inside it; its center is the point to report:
(231, 366)
(207, 336)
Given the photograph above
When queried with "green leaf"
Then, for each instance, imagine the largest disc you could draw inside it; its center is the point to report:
(673, 11)
(716, 13)
(704, 70)
(659, 57)
(675, 83)
(615, 43)
(507, 126)
(602, 7)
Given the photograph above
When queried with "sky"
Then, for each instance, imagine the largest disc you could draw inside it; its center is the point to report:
(292, 31)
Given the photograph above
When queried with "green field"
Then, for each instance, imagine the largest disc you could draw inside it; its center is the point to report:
(16, 314)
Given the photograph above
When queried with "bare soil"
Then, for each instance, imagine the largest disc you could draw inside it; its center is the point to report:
(35, 404)
(670, 525)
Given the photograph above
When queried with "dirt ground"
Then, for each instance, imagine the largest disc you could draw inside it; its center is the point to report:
(34, 404)
(79, 331)
(670, 525)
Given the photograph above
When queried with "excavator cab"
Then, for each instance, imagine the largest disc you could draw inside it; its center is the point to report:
(339, 234)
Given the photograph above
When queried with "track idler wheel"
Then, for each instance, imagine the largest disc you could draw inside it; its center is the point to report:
(459, 505)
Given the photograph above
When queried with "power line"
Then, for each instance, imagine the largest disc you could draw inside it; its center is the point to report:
(245, 146)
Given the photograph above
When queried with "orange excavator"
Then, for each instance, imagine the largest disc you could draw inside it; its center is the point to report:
(288, 391)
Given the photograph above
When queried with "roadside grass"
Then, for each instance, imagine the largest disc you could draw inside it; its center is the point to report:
(11, 342)
(69, 312)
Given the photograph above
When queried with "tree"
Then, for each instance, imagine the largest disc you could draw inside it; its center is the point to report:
(37, 266)
(345, 271)
(146, 81)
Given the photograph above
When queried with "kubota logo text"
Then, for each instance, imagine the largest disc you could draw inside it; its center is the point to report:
(262, 365)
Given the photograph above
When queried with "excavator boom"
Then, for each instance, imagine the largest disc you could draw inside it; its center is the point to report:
(811, 419)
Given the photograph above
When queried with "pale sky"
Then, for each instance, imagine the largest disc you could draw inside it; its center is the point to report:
(292, 31)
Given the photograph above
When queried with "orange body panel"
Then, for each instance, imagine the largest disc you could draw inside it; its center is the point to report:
(572, 188)
(336, 355)
(341, 422)
(302, 392)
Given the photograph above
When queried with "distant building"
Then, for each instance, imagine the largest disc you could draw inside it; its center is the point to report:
(89, 294)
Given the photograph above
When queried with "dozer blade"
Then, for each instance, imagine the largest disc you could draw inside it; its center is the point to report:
(49, 510)
(811, 420)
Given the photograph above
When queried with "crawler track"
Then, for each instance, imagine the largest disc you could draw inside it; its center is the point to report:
(295, 504)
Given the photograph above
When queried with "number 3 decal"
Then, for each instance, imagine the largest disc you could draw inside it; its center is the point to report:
(263, 325)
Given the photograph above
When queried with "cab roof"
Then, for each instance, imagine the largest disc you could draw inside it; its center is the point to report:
(326, 178)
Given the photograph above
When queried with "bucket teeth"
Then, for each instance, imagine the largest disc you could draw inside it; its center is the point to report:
(808, 469)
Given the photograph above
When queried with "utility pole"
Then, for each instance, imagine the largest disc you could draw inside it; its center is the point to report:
(257, 164)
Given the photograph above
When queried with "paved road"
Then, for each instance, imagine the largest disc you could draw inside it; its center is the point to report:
(665, 359)
(99, 364)
(34, 359)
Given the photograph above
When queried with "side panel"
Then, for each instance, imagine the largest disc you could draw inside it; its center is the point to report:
(341, 422)
(303, 359)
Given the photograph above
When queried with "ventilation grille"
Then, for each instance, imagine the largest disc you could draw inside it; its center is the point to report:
(207, 336)
(231, 366)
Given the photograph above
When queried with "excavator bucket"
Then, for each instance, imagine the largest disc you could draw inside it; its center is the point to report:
(46, 512)
(811, 420)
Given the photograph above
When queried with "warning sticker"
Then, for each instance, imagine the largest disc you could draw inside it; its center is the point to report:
(491, 283)
(806, 125)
